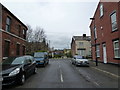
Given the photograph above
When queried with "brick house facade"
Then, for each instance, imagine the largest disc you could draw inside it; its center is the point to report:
(105, 28)
(13, 34)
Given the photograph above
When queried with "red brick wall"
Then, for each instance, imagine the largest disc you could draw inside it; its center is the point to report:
(14, 30)
(105, 35)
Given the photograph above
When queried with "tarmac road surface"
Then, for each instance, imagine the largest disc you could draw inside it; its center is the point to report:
(60, 73)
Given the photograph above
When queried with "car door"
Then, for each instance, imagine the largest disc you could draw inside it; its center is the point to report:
(27, 65)
(33, 64)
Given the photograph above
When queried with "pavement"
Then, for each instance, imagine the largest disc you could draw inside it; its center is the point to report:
(111, 69)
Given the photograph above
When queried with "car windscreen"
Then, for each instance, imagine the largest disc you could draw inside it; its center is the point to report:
(40, 55)
(78, 57)
(13, 60)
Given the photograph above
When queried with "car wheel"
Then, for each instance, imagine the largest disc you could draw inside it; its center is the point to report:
(35, 70)
(22, 81)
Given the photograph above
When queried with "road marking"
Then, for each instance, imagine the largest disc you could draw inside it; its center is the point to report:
(96, 83)
(61, 78)
(106, 72)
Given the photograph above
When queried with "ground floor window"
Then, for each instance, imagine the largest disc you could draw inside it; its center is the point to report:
(98, 50)
(116, 49)
(17, 49)
(23, 48)
(6, 49)
(81, 52)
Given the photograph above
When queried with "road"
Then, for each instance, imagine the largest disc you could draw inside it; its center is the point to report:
(60, 73)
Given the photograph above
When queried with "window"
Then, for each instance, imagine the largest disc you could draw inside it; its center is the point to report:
(116, 49)
(81, 44)
(8, 22)
(18, 49)
(98, 51)
(6, 49)
(114, 21)
(95, 32)
(101, 10)
(81, 52)
(23, 48)
(24, 33)
(19, 29)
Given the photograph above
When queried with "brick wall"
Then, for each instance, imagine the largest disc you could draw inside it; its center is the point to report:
(104, 30)
(12, 36)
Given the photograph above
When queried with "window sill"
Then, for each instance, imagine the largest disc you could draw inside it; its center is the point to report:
(101, 16)
(116, 58)
(115, 30)
(98, 56)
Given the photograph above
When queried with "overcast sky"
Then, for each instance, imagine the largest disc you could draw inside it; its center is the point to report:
(61, 19)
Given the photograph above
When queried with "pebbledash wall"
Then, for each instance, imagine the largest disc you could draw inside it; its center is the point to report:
(13, 34)
(106, 24)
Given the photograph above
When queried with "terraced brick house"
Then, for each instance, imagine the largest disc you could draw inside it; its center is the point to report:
(105, 28)
(13, 33)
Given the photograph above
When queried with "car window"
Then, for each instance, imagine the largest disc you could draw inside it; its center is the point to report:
(27, 60)
(78, 57)
(13, 60)
(41, 55)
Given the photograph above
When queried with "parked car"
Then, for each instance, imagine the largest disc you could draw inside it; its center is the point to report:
(17, 69)
(80, 61)
(41, 58)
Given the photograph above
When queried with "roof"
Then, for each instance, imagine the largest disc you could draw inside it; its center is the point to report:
(3, 7)
(88, 38)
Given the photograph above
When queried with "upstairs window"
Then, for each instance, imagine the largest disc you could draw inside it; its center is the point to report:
(19, 29)
(81, 44)
(114, 21)
(8, 23)
(95, 33)
(24, 33)
(101, 10)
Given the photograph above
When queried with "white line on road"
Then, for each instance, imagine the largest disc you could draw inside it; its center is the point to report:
(61, 78)
(106, 72)
(96, 83)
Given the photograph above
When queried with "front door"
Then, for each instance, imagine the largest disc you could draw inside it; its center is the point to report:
(104, 54)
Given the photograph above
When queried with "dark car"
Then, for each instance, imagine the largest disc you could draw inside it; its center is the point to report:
(15, 70)
(41, 58)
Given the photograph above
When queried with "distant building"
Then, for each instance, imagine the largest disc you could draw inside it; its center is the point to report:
(13, 34)
(81, 45)
(105, 28)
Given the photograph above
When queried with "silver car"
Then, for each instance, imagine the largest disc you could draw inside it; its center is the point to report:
(80, 61)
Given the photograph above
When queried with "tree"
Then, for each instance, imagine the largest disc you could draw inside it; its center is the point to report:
(29, 36)
(36, 40)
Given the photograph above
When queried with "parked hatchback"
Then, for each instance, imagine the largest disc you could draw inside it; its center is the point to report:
(41, 58)
(17, 69)
(80, 60)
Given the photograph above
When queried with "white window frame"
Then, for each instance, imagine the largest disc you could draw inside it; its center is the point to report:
(101, 10)
(81, 44)
(95, 33)
(116, 49)
(23, 31)
(8, 23)
(114, 23)
(98, 50)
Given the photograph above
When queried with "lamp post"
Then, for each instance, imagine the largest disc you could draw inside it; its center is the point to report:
(95, 38)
